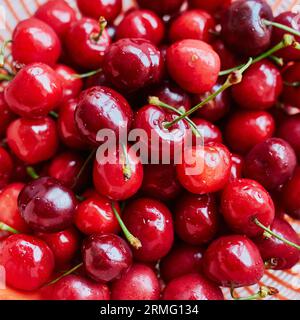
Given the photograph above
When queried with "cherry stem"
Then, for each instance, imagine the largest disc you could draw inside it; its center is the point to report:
(5, 77)
(282, 27)
(5, 227)
(53, 114)
(270, 233)
(135, 242)
(126, 164)
(32, 173)
(102, 24)
(65, 274)
(292, 84)
(2, 52)
(233, 78)
(87, 74)
(277, 60)
(262, 293)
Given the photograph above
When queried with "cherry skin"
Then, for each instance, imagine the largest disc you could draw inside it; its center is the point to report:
(76, 287)
(97, 8)
(138, 283)
(275, 253)
(106, 257)
(212, 6)
(228, 59)
(143, 24)
(6, 167)
(41, 91)
(290, 94)
(83, 46)
(243, 29)
(161, 7)
(33, 140)
(236, 167)
(233, 261)
(271, 163)
(181, 260)
(35, 41)
(242, 201)
(192, 286)
(46, 205)
(151, 222)
(58, 15)
(196, 218)
(193, 65)
(209, 132)
(102, 108)
(28, 262)
(192, 24)
(95, 215)
(6, 115)
(205, 169)
(260, 87)
(141, 64)
(246, 129)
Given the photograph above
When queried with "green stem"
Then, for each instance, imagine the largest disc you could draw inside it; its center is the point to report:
(282, 27)
(102, 24)
(32, 173)
(5, 227)
(262, 293)
(2, 52)
(277, 60)
(87, 74)
(292, 84)
(5, 77)
(53, 114)
(65, 274)
(126, 166)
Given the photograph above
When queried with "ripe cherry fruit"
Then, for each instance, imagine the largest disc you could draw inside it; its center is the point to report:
(6, 167)
(161, 7)
(6, 115)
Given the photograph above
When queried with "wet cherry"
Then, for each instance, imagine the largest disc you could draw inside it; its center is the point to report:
(290, 93)
(236, 167)
(208, 131)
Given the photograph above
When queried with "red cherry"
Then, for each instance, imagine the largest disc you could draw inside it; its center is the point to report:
(194, 65)
(151, 222)
(192, 286)
(210, 6)
(106, 257)
(228, 59)
(138, 283)
(244, 200)
(208, 131)
(57, 14)
(6, 116)
(161, 7)
(233, 261)
(290, 94)
(34, 41)
(33, 141)
(6, 167)
(236, 167)
(28, 261)
(41, 91)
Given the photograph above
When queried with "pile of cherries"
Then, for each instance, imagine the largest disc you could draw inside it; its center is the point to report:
(74, 227)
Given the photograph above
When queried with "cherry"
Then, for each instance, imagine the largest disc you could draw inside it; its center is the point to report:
(41, 91)
(58, 15)
(95, 215)
(196, 218)
(236, 167)
(28, 261)
(96, 8)
(141, 64)
(161, 7)
(192, 286)
(86, 43)
(277, 254)
(106, 257)
(46, 205)
(260, 87)
(35, 41)
(6, 115)
(210, 6)
(246, 129)
(181, 260)
(291, 89)
(205, 168)
(192, 24)
(228, 59)
(64, 245)
(101, 108)
(141, 24)
(137, 283)
(151, 222)
(244, 200)
(208, 131)
(243, 29)
(271, 163)
(33, 140)
(193, 65)
(6, 167)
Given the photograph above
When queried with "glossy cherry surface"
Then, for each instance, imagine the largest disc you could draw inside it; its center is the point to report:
(236, 167)
(6, 115)
(212, 6)
(208, 131)
(161, 7)
(6, 167)
(290, 93)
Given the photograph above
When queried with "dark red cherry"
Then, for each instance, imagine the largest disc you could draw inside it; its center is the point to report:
(291, 93)
(260, 87)
(41, 91)
(58, 15)
(192, 24)
(95, 215)
(193, 65)
(6, 167)
(243, 29)
(276, 254)
(181, 260)
(211, 6)
(161, 7)
(97, 8)
(291, 195)
(138, 283)
(46, 205)
(233, 261)
(244, 200)
(208, 131)
(35, 41)
(236, 167)
(143, 24)
(192, 286)
(33, 140)
(246, 129)
(205, 169)
(28, 262)
(151, 222)
(106, 257)
(6, 115)
(141, 64)
(228, 59)
(76, 287)
(84, 47)
(271, 162)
